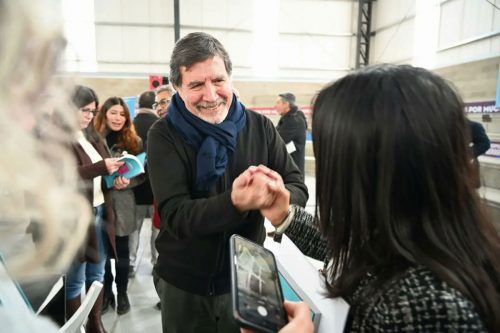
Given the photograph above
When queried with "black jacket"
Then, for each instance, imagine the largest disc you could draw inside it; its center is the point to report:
(481, 142)
(143, 122)
(292, 127)
(193, 244)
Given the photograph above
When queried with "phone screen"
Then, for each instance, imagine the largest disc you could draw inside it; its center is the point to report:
(257, 295)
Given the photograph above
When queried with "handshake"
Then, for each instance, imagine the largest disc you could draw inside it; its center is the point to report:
(261, 188)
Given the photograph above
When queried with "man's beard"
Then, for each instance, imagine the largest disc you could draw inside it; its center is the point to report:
(203, 105)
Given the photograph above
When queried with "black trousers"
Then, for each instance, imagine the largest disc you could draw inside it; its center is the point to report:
(183, 312)
(122, 263)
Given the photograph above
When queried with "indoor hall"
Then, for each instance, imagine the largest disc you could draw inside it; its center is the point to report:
(390, 109)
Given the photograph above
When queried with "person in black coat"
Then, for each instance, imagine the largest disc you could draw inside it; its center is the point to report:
(480, 143)
(292, 128)
(145, 118)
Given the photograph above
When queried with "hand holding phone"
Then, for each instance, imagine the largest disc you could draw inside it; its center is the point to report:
(256, 290)
(299, 317)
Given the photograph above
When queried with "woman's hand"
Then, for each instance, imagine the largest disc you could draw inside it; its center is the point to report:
(112, 164)
(299, 319)
(120, 183)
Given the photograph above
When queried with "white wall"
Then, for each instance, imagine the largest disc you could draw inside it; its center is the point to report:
(314, 38)
(435, 33)
(393, 21)
(469, 30)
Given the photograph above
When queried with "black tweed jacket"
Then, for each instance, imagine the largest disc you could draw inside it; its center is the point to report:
(415, 301)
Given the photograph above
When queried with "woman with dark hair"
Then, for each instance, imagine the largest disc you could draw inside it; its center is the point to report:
(93, 162)
(114, 123)
(410, 247)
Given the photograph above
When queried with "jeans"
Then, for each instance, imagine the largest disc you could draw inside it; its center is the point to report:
(81, 272)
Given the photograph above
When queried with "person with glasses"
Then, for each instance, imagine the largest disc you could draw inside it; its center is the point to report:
(93, 161)
(162, 100)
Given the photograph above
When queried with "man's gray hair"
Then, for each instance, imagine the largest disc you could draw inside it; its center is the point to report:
(288, 97)
(165, 87)
(193, 48)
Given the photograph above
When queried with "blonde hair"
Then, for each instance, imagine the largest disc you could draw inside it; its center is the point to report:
(38, 179)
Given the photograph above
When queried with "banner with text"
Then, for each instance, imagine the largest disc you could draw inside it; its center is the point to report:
(481, 107)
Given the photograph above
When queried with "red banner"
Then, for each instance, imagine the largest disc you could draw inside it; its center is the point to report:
(157, 80)
(271, 111)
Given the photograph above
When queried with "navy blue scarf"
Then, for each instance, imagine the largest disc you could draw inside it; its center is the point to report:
(212, 141)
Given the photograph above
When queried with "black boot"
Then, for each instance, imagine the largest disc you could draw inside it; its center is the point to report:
(123, 304)
(108, 302)
(108, 298)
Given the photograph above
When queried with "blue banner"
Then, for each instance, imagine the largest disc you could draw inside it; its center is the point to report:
(497, 104)
(131, 104)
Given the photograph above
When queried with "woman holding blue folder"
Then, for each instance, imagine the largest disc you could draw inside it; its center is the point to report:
(114, 123)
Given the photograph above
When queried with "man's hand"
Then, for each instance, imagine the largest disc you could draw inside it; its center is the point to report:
(278, 209)
(251, 191)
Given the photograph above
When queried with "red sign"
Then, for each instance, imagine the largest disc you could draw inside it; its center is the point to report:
(157, 80)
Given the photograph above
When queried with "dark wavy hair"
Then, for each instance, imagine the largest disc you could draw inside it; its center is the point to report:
(395, 185)
(82, 96)
(127, 139)
(146, 99)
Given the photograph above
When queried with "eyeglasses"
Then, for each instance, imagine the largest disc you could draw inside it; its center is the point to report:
(87, 111)
(162, 102)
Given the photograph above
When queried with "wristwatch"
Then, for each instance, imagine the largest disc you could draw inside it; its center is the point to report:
(280, 230)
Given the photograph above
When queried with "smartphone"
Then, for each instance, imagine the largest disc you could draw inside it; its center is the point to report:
(256, 291)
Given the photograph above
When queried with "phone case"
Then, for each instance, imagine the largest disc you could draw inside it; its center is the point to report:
(260, 323)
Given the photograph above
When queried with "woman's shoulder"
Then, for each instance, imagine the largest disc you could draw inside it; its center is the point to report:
(418, 301)
(419, 285)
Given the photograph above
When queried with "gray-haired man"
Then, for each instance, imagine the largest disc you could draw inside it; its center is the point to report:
(292, 128)
(162, 99)
(198, 160)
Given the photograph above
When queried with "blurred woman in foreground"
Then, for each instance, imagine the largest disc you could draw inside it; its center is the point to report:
(38, 177)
